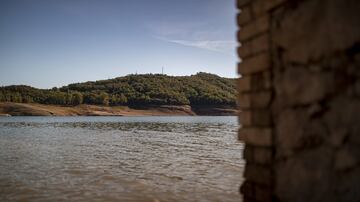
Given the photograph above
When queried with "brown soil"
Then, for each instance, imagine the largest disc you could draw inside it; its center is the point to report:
(22, 109)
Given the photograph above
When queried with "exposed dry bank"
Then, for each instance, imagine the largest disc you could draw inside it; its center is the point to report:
(22, 109)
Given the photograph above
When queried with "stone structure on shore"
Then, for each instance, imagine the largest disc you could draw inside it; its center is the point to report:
(300, 99)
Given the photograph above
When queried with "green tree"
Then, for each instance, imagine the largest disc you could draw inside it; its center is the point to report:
(77, 98)
(147, 89)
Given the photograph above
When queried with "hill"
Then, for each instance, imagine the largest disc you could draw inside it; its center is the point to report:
(202, 89)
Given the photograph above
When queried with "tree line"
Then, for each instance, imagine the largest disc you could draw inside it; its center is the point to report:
(146, 89)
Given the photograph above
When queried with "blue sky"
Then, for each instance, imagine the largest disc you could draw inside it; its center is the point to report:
(47, 43)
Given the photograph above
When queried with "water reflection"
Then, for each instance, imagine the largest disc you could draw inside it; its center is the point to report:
(119, 159)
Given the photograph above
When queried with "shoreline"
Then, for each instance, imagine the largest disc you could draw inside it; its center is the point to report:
(33, 109)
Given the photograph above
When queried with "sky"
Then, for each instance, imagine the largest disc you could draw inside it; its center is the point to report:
(51, 43)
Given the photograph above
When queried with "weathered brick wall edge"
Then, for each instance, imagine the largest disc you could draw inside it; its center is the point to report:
(255, 97)
(299, 99)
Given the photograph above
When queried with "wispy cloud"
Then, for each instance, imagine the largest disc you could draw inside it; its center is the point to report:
(193, 34)
(212, 45)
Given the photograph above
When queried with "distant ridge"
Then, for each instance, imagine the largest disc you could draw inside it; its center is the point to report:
(132, 90)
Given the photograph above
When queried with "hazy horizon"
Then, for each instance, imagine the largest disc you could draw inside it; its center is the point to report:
(50, 43)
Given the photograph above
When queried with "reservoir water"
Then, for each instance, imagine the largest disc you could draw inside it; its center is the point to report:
(120, 159)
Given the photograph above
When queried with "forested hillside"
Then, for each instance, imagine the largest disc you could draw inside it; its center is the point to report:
(146, 89)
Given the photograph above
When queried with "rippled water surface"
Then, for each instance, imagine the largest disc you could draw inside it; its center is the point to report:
(119, 159)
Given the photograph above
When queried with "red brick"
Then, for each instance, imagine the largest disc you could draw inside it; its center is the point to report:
(241, 3)
(254, 82)
(258, 174)
(254, 46)
(244, 101)
(244, 84)
(244, 16)
(254, 118)
(261, 7)
(263, 193)
(256, 100)
(256, 136)
(255, 64)
(248, 153)
(247, 188)
(262, 155)
(254, 28)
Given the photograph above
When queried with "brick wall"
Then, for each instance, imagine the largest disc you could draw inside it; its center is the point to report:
(299, 96)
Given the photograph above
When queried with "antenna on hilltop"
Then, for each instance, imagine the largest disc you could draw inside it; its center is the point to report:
(162, 70)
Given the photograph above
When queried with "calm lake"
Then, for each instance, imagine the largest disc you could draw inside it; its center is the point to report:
(120, 159)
